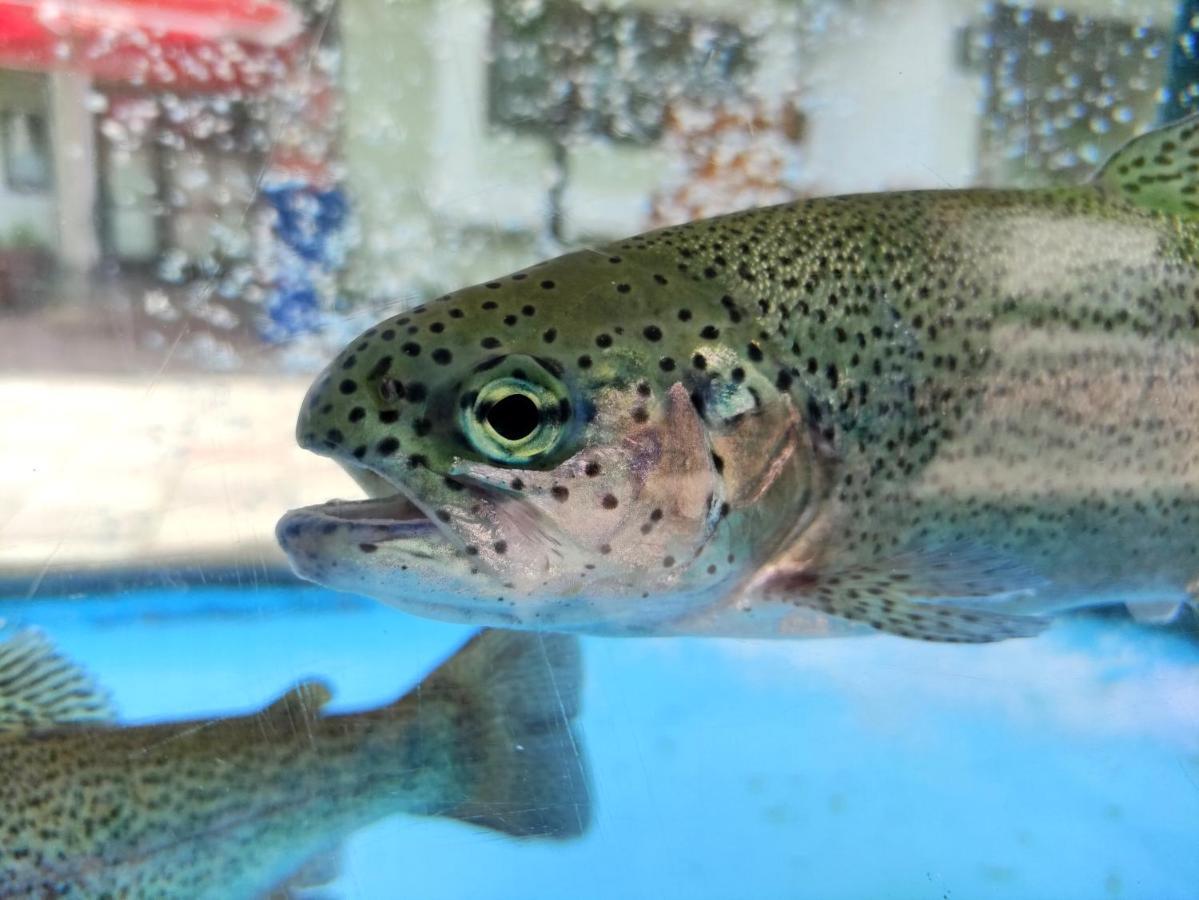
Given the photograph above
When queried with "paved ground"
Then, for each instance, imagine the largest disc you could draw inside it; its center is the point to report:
(121, 446)
(133, 470)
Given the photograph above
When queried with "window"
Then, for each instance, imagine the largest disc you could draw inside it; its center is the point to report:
(565, 68)
(26, 150)
(1062, 92)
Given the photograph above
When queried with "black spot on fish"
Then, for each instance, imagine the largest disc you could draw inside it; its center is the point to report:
(488, 364)
(550, 365)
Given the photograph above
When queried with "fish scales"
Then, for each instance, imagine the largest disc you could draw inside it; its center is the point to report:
(941, 414)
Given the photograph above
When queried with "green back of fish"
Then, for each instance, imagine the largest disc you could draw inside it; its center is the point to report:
(1008, 381)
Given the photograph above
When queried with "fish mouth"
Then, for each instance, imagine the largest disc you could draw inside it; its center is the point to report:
(388, 514)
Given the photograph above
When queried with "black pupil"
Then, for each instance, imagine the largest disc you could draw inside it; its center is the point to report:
(515, 417)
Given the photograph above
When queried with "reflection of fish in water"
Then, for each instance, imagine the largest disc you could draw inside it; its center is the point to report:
(941, 414)
(228, 807)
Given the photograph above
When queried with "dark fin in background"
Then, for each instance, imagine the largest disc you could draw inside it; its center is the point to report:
(1158, 170)
(937, 595)
(318, 871)
(40, 688)
(302, 702)
(519, 693)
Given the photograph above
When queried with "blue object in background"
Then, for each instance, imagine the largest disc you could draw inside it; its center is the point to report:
(1062, 767)
(308, 251)
(1181, 96)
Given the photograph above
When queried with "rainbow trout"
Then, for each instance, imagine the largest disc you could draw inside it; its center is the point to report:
(939, 414)
(227, 808)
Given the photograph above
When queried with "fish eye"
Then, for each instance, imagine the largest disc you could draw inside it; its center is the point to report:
(514, 417)
(514, 420)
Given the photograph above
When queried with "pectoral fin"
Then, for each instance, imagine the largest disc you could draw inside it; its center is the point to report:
(937, 595)
(40, 688)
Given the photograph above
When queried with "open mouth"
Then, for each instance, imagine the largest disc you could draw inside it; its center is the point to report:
(387, 515)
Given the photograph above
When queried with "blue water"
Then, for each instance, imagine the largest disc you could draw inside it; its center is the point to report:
(1062, 767)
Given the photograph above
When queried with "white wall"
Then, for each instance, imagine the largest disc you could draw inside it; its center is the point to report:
(889, 105)
(73, 144)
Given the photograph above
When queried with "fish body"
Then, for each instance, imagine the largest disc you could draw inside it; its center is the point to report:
(230, 807)
(940, 414)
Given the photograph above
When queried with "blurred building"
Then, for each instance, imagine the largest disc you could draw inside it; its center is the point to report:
(128, 127)
(504, 123)
(456, 138)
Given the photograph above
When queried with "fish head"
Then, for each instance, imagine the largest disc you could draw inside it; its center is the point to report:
(532, 460)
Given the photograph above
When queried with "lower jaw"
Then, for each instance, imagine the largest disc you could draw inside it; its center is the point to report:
(318, 520)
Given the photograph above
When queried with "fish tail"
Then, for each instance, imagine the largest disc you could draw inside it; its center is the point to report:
(515, 696)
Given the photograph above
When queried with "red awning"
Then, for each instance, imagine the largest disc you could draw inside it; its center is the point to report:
(165, 44)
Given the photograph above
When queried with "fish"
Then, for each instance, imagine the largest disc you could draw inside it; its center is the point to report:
(231, 807)
(947, 415)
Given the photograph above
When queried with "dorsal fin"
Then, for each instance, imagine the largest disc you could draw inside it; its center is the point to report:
(304, 701)
(40, 688)
(1158, 170)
